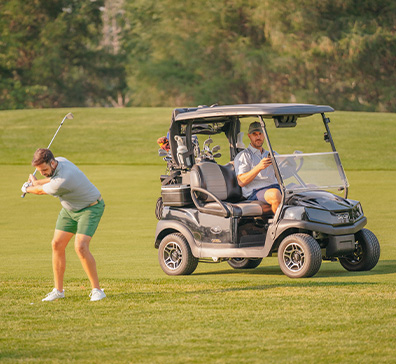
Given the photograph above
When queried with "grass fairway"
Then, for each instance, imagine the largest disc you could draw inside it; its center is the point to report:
(216, 315)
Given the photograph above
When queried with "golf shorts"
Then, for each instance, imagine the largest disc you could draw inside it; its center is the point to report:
(85, 221)
(260, 192)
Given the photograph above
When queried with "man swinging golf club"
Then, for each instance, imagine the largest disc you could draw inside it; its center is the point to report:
(82, 209)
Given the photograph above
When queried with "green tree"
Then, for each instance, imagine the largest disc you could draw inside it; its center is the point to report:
(339, 52)
(51, 54)
(197, 52)
(320, 51)
(171, 52)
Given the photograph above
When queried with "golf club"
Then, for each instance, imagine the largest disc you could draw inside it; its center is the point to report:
(68, 116)
(207, 142)
(215, 149)
(162, 152)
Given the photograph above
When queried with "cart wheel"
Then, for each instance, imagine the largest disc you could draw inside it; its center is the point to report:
(366, 254)
(299, 256)
(244, 263)
(175, 256)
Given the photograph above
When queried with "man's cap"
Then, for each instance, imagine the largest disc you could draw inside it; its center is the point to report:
(255, 126)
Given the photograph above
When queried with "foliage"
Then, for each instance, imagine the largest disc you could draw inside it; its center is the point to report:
(217, 55)
(59, 53)
(343, 51)
(50, 54)
(333, 52)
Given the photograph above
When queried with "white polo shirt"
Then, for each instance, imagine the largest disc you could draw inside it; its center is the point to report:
(245, 161)
(73, 188)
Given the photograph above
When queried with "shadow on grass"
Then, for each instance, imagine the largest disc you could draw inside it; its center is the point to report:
(333, 269)
(382, 268)
(328, 270)
(293, 284)
(158, 295)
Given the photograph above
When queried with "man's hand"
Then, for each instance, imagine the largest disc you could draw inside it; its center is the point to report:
(25, 186)
(264, 163)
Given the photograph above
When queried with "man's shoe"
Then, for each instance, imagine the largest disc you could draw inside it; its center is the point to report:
(54, 295)
(97, 294)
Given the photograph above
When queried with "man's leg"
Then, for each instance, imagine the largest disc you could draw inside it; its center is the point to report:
(59, 243)
(81, 245)
(273, 197)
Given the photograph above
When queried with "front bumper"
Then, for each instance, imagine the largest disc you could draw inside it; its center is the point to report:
(321, 228)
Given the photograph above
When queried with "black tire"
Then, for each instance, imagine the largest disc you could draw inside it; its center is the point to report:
(366, 255)
(244, 263)
(299, 256)
(175, 257)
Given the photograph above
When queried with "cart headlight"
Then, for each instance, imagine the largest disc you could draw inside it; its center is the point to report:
(321, 216)
(357, 212)
(295, 213)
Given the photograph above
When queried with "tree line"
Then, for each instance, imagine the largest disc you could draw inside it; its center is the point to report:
(59, 53)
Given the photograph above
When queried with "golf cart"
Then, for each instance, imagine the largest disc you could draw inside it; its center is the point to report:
(203, 216)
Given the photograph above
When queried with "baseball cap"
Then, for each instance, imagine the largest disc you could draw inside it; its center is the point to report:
(255, 126)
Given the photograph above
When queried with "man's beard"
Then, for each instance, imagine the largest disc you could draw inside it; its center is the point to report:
(258, 144)
(52, 172)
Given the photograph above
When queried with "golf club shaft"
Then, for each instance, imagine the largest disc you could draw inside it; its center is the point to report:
(57, 131)
(69, 115)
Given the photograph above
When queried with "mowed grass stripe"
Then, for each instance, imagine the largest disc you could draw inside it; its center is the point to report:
(128, 136)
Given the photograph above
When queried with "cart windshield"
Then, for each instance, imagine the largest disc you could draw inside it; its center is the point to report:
(312, 171)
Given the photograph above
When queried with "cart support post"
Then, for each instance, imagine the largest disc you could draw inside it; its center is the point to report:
(326, 122)
(276, 169)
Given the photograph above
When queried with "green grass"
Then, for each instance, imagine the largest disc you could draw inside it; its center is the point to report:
(216, 315)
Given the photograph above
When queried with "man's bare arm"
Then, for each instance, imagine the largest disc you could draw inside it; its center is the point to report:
(37, 185)
(36, 190)
(38, 182)
(245, 178)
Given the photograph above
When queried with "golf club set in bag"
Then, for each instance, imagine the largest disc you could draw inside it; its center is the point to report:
(67, 116)
(206, 153)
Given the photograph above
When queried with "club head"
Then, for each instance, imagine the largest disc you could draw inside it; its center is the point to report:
(207, 142)
(69, 116)
(216, 148)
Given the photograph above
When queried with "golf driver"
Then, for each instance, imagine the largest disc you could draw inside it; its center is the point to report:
(68, 116)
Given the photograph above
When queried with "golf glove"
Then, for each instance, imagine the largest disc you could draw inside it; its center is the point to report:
(25, 186)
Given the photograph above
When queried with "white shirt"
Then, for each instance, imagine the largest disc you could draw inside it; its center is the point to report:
(73, 188)
(245, 161)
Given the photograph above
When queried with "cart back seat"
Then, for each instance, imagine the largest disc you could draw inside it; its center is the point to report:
(224, 195)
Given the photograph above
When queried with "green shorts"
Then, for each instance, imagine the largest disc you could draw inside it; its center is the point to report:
(85, 221)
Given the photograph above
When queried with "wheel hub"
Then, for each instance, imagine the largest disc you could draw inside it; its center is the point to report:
(296, 257)
(293, 257)
(356, 256)
(173, 255)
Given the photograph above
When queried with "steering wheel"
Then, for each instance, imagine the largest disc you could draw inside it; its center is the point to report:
(288, 167)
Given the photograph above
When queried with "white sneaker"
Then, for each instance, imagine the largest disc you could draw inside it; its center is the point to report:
(54, 295)
(97, 294)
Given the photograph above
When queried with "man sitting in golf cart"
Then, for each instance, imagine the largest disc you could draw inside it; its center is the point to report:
(255, 172)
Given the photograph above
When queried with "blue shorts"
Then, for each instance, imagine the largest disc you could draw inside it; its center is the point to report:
(253, 196)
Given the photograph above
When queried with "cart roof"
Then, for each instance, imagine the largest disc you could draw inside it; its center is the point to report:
(265, 110)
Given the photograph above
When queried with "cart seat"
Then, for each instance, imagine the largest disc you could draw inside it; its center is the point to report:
(215, 190)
